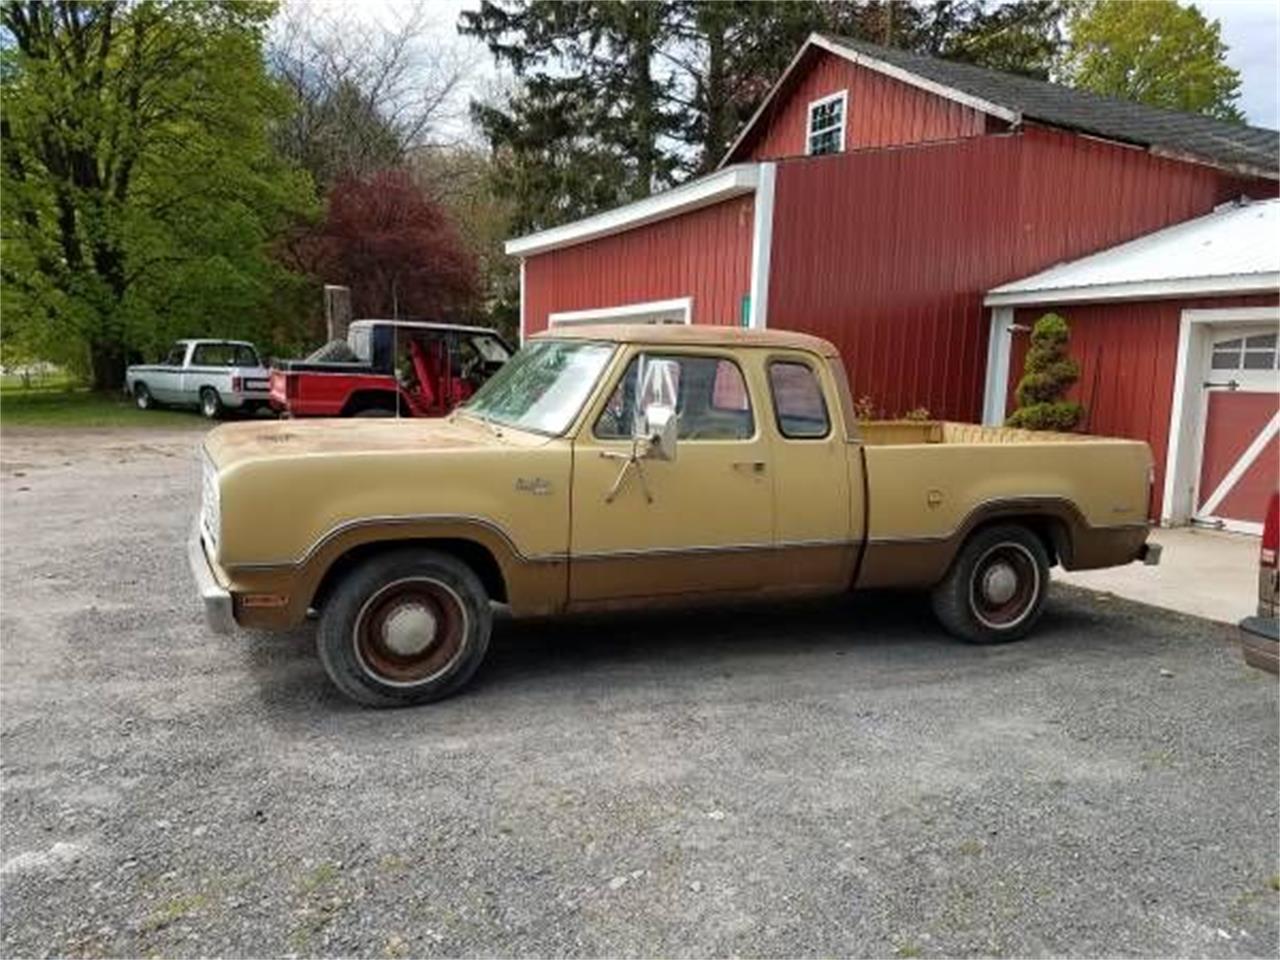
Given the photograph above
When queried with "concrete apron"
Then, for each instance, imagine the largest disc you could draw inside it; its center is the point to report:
(1206, 573)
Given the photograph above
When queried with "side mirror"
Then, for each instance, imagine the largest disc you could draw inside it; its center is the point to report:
(657, 425)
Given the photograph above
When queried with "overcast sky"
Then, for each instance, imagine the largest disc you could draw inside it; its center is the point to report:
(1251, 29)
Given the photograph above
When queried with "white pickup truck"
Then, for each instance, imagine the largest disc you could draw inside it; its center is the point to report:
(213, 375)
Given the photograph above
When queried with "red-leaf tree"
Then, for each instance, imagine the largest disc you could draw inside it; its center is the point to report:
(394, 247)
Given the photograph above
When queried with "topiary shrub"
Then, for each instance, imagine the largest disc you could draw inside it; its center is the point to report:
(1047, 375)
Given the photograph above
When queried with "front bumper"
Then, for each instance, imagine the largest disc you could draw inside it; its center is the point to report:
(219, 612)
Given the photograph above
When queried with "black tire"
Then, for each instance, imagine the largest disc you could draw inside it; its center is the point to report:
(142, 397)
(374, 412)
(996, 587)
(210, 403)
(378, 664)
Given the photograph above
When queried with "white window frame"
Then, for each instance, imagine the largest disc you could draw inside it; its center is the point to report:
(678, 310)
(843, 97)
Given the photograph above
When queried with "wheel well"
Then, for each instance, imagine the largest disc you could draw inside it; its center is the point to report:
(1052, 532)
(365, 399)
(473, 554)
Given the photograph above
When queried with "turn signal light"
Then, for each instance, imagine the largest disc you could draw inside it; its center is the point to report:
(261, 601)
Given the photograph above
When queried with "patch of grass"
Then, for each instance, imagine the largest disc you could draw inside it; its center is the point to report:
(1274, 882)
(64, 405)
(970, 848)
(174, 909)
(907, 950)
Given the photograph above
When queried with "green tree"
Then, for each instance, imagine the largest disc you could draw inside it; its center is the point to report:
(1157, 52)
(1049, 372)
(142, 195)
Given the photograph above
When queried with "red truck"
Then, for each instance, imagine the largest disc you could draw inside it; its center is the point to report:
(388, 368)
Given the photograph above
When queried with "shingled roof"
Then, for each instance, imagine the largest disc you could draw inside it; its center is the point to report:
(1016, 98)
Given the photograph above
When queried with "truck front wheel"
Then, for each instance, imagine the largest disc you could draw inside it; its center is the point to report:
(995, 589)
(405, 627)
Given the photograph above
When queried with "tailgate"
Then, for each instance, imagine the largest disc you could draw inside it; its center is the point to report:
(279, 389)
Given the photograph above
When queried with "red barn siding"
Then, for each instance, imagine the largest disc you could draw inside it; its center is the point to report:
(705, 255)
(888, 253)
(881, 112)
(1128, 361)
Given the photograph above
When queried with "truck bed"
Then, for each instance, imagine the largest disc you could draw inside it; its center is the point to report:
(927, 480)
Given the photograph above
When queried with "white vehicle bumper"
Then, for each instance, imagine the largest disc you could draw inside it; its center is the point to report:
(219, 612)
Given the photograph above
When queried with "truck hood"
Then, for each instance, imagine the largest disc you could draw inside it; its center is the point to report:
(237, 443)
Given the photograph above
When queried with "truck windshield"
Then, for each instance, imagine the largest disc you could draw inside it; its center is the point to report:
(543, 386)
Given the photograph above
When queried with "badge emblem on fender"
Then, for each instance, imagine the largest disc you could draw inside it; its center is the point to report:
(537, 486)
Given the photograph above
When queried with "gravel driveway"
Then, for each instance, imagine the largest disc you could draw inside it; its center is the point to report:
(832, 779)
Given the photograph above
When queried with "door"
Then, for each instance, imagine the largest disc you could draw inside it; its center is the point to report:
(1240, 429)
(165, 382)
(210, 366)
(701, 523)
(814, 493)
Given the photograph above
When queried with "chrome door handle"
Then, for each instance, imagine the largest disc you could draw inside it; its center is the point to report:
(1229, 384)
(755, 466)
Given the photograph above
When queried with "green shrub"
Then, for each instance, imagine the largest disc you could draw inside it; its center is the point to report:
(1048, 374)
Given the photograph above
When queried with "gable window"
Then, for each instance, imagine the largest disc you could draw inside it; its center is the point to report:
(826, 124)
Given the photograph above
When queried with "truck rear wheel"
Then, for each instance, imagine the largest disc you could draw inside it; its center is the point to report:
(996, 587)
(405, 627)
(210, 403)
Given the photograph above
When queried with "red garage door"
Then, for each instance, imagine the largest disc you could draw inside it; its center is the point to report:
(1240, 460)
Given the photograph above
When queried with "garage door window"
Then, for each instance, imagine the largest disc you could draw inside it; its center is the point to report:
(1246, 353)
(712, 402)
(797, 398)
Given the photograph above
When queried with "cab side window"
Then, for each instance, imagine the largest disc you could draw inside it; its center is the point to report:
(177, 353)
(797, 401)
(712, 402)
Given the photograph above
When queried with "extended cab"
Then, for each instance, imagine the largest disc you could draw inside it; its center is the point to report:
(389, 368)
(629, 465)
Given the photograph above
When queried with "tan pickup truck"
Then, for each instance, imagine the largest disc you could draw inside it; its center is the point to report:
(629, 465)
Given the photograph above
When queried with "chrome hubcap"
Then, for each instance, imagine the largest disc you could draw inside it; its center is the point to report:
(999, 583)
(409, 629)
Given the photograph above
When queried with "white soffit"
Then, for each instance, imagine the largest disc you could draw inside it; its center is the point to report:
(1235, 249)
(713, 188)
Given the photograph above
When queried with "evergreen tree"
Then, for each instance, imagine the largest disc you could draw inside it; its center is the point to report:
(1048, 373)
(614, 100)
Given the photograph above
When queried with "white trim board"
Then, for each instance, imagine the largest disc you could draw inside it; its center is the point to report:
(842, 96)
(1182, 459)
(999, 351)
(652, 311)
(523, 310)
(1140, 290)
(714, 188)
(762, 246)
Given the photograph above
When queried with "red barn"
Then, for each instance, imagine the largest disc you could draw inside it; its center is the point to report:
(1176, 335)
(876, 197)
